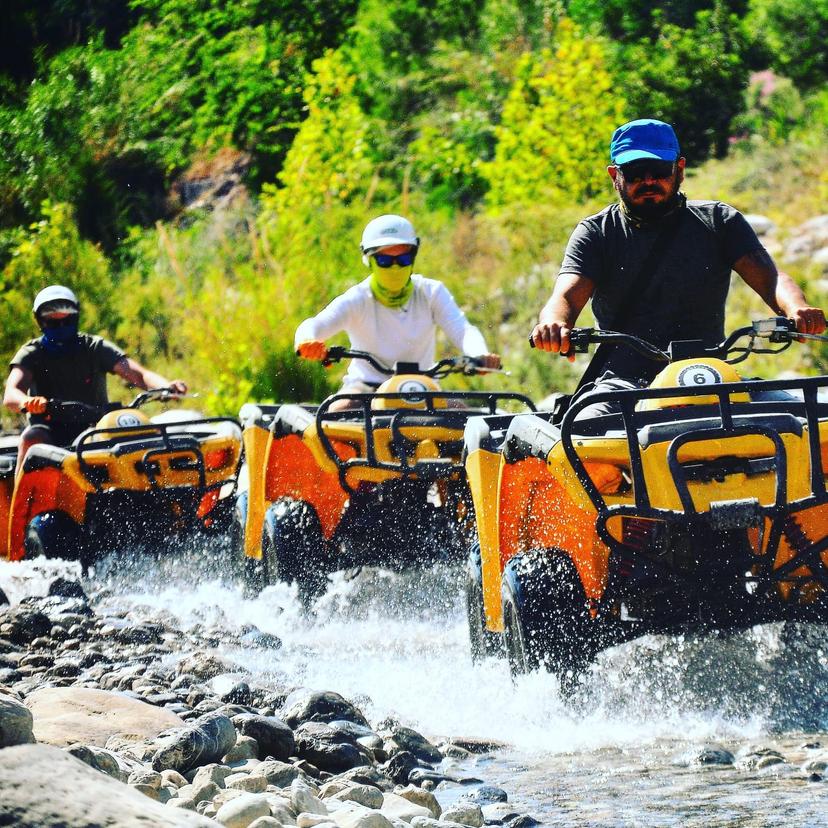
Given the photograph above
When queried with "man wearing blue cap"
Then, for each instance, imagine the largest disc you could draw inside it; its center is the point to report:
(657, 265)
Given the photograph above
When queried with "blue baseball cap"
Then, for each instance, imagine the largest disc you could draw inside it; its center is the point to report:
(645, 138)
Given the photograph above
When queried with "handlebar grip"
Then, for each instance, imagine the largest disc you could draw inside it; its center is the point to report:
(531, 341)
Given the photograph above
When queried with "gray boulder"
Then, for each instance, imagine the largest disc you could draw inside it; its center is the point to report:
(22, 625)
(304, 706)
(205, 740)
(327, 749)
(15, 722)
(44, 787)
(273, 736)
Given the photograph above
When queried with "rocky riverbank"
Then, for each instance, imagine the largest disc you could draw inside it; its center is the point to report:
(121, 718)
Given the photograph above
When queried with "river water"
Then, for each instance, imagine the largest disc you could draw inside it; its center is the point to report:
(623, 752)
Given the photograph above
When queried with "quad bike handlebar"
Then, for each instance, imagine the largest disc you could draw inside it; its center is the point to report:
(469, 366)
(777, 330)
(74, 411)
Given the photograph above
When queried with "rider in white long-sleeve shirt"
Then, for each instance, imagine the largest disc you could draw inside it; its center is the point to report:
(393, 314)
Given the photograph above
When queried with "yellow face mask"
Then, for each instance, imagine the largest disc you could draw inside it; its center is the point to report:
(391, 286)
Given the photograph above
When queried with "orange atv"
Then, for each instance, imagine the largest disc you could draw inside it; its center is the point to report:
(127, 477)
(381, 483)
(700, 504)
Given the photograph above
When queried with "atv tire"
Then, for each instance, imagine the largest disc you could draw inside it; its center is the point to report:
(54, 535)
(484, 643)
(294, 549)
(546, 618)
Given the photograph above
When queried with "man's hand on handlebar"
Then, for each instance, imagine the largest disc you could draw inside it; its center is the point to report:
(490, 362)
(35, 405)
(178, 388)
(553, 337)
(809, 320)
(313, 349)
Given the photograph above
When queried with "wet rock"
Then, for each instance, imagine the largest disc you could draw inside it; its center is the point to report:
(206, 740)
(498, 813)
(476, 745)
(400, 766)
(353, 815)
(66, 715)
(44, 787)
(398, 807)
(464, 813)
(145, 633)
(102, 760)
(486, 795)
(304, 706)
(365, 795)
(273, 736)
(404, 738)
(523, 821)
(66, 588)
(713, 756)
(761, 758)
(326, 748)
(15, 722)
(205, 666)
(21, 625)
(366, 775)
(253, 637)
(244, 809)
(815, 765)
(425, 799)
(4, 600)
(238, 694)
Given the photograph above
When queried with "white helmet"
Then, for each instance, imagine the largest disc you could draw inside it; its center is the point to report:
(61, 297)
(385, 231)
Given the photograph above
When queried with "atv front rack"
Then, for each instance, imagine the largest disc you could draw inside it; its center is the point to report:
(155, 440)
(403, 449)
(721, 419)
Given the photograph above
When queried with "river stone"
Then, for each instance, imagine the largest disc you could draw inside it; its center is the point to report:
(205, 740)
(353, 815)
(103, 760)
(465, 813)
(400, 766)
(398, 807)
(211, 773)
(205, 666)
(246, 747)
(304, 706)
(485, 795)
(244, 809)
(407, 739)
(276, 773)
(326, 748)
(22, 625)
(44, 787)
(246, 782)
(499, 812)
(713, 756)
(273, 736)
(522, 821)
(66, 588)
(303, 799)
(365, 795)
(425, 799)
(66, 715)
(15, 722)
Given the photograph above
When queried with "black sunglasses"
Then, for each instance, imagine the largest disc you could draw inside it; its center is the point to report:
(403, 260)
(637, 171)
(63, 322)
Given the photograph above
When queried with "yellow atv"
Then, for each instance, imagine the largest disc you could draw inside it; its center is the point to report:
(126, 477)
(701, 504)
(381, 483)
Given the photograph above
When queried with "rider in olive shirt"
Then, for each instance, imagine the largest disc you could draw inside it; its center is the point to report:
(65, 364)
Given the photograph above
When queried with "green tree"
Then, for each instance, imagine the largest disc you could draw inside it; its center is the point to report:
(552, 142)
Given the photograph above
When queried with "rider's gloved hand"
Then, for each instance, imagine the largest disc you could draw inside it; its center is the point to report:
(809, 320)
(553, 337)
(312, 349)
(491, 361)
(35, 405)
(178, 387)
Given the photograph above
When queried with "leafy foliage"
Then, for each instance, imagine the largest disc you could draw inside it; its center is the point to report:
(552, 141)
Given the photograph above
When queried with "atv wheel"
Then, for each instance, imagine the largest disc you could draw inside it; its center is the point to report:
(53, 535)
(545, 616)
(294, 549)
(483, 642)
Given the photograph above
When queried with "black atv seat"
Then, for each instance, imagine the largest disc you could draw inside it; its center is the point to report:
(530, 435)
(663, 432)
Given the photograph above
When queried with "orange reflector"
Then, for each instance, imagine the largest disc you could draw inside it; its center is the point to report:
(207, 503)
(217, 459)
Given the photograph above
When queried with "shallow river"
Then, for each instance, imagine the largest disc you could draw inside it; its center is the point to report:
(622, 753)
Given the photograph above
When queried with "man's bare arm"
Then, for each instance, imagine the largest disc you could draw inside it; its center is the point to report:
(17, 388)
(135, 374)
(779, 291)
(561, 312)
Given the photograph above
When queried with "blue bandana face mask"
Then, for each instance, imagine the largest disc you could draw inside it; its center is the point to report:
(62, 339)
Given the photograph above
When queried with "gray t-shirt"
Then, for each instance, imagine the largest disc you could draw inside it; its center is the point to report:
(79, 376)
(684, 298)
